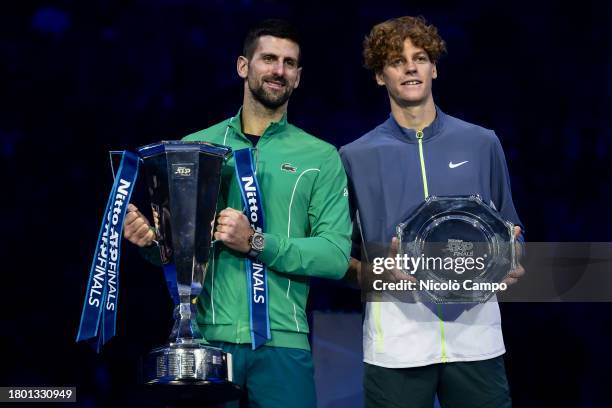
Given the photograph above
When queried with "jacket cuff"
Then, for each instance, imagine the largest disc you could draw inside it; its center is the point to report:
(271, 248)
(151, 254)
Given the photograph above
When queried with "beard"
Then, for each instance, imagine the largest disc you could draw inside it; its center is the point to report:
(269, 99)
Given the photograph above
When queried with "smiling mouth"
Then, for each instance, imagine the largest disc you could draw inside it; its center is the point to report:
(275, 84)
(412, 82)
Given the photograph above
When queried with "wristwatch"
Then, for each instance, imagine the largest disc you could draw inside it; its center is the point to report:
(256, 241)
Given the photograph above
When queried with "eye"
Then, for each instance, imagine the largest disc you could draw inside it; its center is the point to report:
(291, 63)
(422, 59)
(397, 62)
(267, 58)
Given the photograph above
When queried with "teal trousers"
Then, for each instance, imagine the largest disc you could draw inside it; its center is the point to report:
(272, 376)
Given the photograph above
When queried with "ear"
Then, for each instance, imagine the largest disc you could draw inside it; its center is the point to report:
(434, 72)
(242, 66)
(297, 78)
(380, 80)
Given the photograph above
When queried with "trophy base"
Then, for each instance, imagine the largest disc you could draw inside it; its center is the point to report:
(187, 394)
(187, 364)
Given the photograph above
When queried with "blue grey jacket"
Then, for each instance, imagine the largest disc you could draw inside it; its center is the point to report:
(391, 172)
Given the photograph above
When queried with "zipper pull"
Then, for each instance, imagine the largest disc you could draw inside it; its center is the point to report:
(256, 152)
(419, 134)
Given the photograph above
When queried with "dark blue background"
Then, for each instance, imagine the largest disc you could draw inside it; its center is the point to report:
(79, 78)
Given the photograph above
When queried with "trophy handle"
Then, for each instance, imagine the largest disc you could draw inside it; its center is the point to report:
(114, 156)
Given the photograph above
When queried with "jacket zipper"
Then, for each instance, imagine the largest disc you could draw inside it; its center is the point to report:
(419, 136)
(256, 152)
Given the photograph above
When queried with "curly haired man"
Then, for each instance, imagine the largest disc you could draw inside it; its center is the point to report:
(413, 351)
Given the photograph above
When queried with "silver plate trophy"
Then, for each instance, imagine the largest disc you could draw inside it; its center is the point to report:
(464, 248)
(183, 180)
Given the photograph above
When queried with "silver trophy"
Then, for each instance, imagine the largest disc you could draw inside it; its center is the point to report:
(183, 180)
(462, 246)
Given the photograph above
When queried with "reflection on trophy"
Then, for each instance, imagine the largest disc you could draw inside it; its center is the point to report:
(183, 180)
(462, 247)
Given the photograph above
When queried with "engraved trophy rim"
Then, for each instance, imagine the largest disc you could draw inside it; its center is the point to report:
(163, 146)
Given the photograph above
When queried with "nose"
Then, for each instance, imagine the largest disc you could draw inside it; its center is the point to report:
(410, 66)
(278, 68)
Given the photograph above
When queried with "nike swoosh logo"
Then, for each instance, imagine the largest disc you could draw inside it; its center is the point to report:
(452, 165)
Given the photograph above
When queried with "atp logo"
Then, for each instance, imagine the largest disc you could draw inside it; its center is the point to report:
(182, 170)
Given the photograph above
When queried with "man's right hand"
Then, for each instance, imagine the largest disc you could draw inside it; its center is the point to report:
(136, 228)
(363, 275)
(396, 275)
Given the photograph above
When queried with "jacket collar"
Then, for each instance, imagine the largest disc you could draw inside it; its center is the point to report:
(275, 127)
(409, 135)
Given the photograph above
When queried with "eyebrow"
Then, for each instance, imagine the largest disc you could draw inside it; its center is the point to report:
(271, 54)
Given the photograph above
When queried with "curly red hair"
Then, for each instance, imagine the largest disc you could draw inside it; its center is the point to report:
(386, 40)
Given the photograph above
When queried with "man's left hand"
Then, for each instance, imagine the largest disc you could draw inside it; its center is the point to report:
(514, 275)
(234, 230)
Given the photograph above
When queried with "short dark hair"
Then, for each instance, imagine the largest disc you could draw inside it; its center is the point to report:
(274, 27)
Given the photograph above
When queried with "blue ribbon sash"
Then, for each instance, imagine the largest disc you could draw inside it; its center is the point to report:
(257, 283)
(99, 316)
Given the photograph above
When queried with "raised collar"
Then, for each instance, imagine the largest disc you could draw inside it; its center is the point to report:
(275, 127)
(409, 135)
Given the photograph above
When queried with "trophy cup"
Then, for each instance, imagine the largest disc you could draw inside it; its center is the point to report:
(446, 232)
(183, 180)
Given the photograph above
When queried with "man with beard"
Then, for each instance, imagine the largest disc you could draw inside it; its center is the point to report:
(306, 233)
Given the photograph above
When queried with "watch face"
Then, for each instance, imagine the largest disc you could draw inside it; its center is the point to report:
(257, 243)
